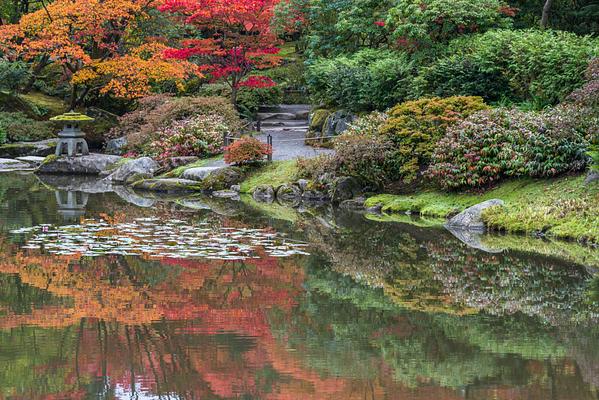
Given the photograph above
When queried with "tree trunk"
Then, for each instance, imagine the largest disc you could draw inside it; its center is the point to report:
(43, 63)
(546, 13)
(234, 91)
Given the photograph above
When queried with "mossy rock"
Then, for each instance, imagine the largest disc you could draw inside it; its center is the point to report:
(222, 179)
(318, 118)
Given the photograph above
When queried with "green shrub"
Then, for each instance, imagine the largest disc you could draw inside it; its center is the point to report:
(541, 67)
(249, 100)
(13, 75)
(17, 127)
(495, 144)
(415, 127)
(368, 80)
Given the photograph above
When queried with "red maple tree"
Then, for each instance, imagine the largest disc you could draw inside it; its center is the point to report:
(236, 39)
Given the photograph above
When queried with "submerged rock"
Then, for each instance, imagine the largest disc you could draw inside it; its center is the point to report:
(127, 194)
(169, 185)
(353, 204)
(471, 217)
(140, 168)
(264, 193)
(92, 164)
(79, 183)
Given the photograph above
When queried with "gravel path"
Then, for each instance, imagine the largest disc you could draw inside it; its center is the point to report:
(288, 125)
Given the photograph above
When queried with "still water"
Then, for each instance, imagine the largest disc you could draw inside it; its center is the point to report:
(117, 296)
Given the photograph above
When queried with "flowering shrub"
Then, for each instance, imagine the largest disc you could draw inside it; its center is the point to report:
(156, 113)
(246, 150)
(500, 143)
(200, 136)
(415, 127)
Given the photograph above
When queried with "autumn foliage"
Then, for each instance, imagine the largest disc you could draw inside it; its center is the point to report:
(236, 39)
(246, 150)
(90, 39)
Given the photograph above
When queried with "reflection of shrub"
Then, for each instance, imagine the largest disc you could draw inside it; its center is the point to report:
(155, 113)
(500, 143)
(198, 136)
(16, 127)
(415, 127)
(246, 150)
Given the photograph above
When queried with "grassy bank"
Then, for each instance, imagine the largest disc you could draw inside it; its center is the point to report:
(562, 207)
(275, 174)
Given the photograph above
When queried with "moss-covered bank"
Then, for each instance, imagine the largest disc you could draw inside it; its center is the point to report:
(562, 207)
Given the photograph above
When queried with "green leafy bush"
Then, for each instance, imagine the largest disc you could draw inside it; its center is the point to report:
(495, 144)
(415, 127)
(541, 67)
(249, 100)
(13, 75)
(364, 157)
(17, 127)
(365, 81)
(246, 151)
(419, 22)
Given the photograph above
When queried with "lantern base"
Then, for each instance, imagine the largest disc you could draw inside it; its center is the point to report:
(72, 146)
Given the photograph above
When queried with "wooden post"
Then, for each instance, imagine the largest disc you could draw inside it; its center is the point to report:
(225, 139)
(269, 142)
(259, 125)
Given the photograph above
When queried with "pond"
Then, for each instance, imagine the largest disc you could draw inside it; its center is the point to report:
(112, 295)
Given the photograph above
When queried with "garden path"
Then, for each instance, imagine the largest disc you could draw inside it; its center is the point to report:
(288, 124)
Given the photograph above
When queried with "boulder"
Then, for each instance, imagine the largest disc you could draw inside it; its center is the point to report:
(288, 193)
(199, 173)
(116, 146)
(222, 179)
(42, 148)
(303, 184)
(345, 188)
(317, 119)
(593, 176)
(92, 164)
(337, 123)
(169, 185)
(236, 188)
(134, 170)
(264, 193)
(470, 218)
(7, 164)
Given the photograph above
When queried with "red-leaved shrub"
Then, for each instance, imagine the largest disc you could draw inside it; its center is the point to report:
(246, 150)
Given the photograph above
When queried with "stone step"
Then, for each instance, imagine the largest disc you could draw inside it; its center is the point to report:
(287, 108)
(279, 122)
(279, 116)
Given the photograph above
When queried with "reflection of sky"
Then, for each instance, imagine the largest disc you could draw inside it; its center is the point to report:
(125, 393)
(158, 238)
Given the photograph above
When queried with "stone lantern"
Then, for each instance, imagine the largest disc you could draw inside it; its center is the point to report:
(71, 138)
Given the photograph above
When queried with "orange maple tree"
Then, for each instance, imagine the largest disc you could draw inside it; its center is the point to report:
(90, 40)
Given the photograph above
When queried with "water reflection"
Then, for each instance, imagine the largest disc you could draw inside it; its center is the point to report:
(71, 204)
(375, 311)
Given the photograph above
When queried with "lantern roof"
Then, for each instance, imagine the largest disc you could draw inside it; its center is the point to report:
(72, 116)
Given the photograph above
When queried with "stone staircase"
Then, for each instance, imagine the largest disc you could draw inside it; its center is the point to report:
(284, 118)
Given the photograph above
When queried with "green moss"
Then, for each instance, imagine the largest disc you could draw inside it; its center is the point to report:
(407, 219)
(274, 174)
(177, 172)
(54, 105)
(562, 207)
(319, 117)
(49, 159)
